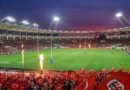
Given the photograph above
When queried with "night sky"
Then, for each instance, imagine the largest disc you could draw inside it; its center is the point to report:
(74, 14)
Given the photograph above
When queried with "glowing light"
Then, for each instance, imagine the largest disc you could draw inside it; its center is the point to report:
(89, 45)
(80, 46)
(35, 25)
(25, 22)
(10, 19)
(56, 19)
(118, 15)
(41, 59)
(22, 45)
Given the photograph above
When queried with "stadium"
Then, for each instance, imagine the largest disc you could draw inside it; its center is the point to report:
(32, 58)
(63, 50)
(85, 49)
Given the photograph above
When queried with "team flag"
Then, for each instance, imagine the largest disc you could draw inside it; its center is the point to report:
(116, 81)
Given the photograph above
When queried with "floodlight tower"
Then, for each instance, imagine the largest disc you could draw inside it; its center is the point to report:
(120, 15)
(9, 19)
(25, 22)
(56, 19)
(35, 25)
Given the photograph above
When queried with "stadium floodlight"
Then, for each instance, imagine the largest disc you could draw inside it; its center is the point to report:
(56, 19)
(9, 19)
(35, 25)
(25, 22)
(118, 15)
(89, 45)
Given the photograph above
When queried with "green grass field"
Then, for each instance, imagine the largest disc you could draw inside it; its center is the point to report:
(73, 59)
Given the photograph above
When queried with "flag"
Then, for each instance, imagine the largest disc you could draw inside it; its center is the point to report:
(128, 83)
(116, 81)
(91, 82)
(83, 85)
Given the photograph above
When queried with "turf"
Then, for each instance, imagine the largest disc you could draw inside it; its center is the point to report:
(73, 59)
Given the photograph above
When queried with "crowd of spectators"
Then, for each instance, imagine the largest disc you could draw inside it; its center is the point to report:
(15, 45)
(68, 80)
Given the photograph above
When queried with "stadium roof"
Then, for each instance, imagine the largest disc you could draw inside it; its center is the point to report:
(17, 28)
